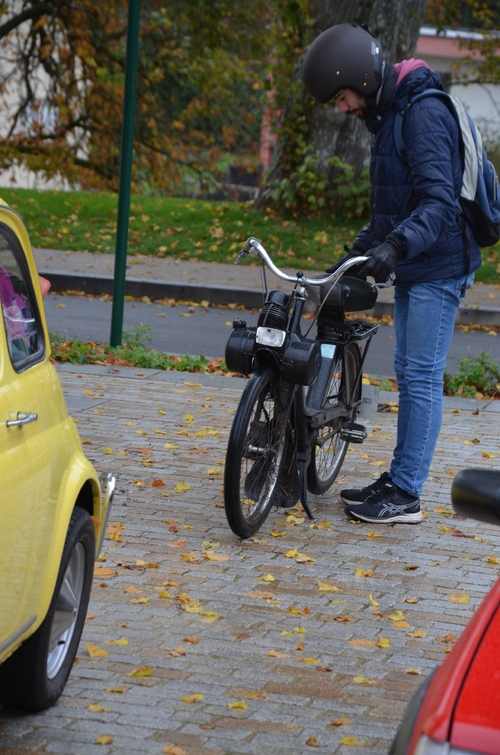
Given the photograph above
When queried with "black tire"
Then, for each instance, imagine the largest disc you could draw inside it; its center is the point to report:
(328, 450)
(255, 454)
(34, 676)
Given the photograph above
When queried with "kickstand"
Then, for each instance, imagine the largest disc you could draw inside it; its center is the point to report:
(301, 463)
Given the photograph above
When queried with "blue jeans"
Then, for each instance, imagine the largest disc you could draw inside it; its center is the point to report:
(424, 318)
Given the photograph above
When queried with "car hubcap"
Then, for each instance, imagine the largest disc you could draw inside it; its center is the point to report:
(67, 605)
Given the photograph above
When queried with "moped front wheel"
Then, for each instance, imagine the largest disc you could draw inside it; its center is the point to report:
(255, 454)
(328, 449)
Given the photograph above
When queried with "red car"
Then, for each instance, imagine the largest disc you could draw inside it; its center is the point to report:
(457, 709)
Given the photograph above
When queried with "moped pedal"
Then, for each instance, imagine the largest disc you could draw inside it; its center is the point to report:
(353, 433)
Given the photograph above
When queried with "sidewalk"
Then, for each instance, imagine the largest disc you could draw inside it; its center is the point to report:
(278, 664)
(215, 282)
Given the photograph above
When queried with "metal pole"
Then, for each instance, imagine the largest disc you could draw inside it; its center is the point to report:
(127, 147)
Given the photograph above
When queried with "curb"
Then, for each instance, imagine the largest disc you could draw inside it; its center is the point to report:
(223, 295)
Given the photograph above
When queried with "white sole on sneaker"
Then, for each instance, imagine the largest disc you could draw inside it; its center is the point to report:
(404, 518)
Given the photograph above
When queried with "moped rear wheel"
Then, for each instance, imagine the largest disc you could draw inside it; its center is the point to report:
(255, 454)
(328, 449)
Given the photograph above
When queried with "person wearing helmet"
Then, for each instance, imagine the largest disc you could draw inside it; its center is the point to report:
(414, 232)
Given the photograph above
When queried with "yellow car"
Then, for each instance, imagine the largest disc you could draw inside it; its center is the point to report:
(53, 506)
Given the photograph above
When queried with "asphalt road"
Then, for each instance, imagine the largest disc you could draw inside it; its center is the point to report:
(181, 329)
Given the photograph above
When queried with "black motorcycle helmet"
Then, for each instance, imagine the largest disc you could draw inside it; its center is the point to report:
(345, 56)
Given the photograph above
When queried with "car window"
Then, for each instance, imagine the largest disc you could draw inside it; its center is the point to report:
(22, 328)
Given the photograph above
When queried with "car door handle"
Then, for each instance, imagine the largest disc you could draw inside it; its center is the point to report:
(22, 419)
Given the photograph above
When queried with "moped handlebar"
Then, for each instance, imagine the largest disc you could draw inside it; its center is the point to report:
(253, 246)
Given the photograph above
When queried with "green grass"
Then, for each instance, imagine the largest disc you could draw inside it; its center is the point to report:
(189, 229)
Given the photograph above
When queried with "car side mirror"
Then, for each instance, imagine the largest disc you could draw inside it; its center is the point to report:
(475, 493)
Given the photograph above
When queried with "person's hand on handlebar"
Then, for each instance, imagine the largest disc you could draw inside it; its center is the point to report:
(382, 261)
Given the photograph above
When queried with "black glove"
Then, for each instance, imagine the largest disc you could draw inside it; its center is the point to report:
(382, 260)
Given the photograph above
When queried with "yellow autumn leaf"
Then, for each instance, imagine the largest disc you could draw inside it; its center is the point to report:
(327, 587)
(97, 708)
(373, 535)
(170, 445)
(276, 654)
(238, 705)
(299, 630)
(396, 616)
(196, 698)
(493, 560)
(292, 519)
(417, 634)
(284, 634)
(487, 455)
(352, 741)
(459, 598)
(372, 601)
(116, 690)
(414, 671)
(211, 556)
(363, 572)
(143, 671)
(141, 432)
(383, 642)
(121, 641)
(95, 652)
(165, 595)
(140, 601)
(104, 571)
(267, 578)
(364, 680)
(341, 722)
(309, 661)
(291, 553)
(104, 739)
(189, 418)
(181, 487)
(413, 601)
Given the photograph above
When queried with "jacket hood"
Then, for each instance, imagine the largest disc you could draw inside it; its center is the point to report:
(415, 81)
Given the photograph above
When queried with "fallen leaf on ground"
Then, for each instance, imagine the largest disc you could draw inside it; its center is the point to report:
(104, 571)
(383, 642)
(396, 616)
(173, 750)
(364, 680)
(312, 741)
(121, 641)
(373, 535)
(238, 704)
(459, 598)
(192, 640)
(276, 654)
(352, 741)
(95, 652)
(196, 698)
(267, 578)
(417, 634)
(414, 671)
(412, 567)
(413, 601)
(104, 739)
(341, 722)
(256, 695)
(372, 601)
(140, 601)
(117, 690)
(97, 708)
(449, 639)
(363, 572)
(143, 671)
(327, 587)
(181, 487)
(493, 560)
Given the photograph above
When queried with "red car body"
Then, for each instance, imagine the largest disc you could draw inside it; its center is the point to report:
(457, 710)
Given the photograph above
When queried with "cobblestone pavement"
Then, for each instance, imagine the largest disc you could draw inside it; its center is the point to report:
(240, 661)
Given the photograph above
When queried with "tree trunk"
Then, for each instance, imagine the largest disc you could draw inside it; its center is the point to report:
(396, 23)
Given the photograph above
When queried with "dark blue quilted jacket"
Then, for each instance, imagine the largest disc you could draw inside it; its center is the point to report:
(416, 202)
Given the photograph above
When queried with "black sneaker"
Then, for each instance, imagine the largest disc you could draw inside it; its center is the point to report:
(357, 497)
(388, 506)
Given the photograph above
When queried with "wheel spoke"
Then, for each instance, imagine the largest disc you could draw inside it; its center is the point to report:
(67, 604)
